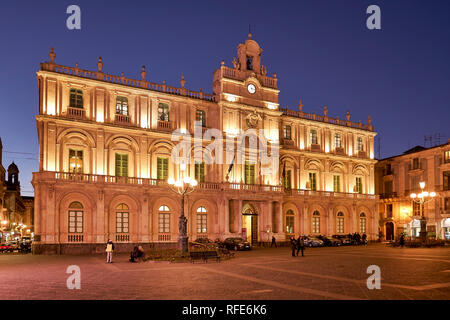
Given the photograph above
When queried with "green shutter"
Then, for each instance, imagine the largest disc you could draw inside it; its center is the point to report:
(162, 168)
(312, 181)
(121, 165)
(337, 183)
(249, 173)
(200, 172)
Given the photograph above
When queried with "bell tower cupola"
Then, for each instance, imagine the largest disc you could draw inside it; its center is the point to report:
(246, 82)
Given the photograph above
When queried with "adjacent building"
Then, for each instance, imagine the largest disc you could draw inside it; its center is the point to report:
(399, 176)
(105, 159)
(16, 211)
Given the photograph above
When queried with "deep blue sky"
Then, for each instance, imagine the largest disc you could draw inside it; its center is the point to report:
(321, 51)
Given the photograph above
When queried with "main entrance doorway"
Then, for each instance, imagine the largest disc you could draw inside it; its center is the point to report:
(250, 224)
(389, 231)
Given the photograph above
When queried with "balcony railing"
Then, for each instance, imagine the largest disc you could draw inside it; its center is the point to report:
(104, 179)
(299, 192)
(388, 195)
(236, 74)
(164, 125)
(98, 75)
(163, 237)
(122, 119)
(122, 237)
(75, 238)
(76, 113)
(316, 117)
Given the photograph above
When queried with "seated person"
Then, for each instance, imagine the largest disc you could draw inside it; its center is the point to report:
(140, 254)
(134, 254)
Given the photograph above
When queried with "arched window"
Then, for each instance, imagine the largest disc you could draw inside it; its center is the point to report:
(362, 222)
(316, 222)
(340, 223)
(202, 220)
(164, 219)
(290, 222)
(122, 218)
(122, 106)
(76, 217)
(313, 136)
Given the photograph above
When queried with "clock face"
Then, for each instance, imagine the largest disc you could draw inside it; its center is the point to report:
(251, 88)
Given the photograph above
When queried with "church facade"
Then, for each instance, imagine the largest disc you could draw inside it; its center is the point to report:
(106, 155)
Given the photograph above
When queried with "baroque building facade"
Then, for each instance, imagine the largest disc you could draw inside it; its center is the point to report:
(105, 159)
(16, 211)
(399, 176)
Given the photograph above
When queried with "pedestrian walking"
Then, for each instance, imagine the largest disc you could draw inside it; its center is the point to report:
(402, 240)
(274, 242)
(293, 246)
(364, 239)
(300, 245)
(109, 251)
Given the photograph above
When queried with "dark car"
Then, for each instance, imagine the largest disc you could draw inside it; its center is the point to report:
(237, 244)
(344, 239)
(313, 242)
(329, 241)
(205, 242)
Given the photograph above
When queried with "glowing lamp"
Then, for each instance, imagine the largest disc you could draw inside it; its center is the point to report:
(194, 183)
(186, 179)
(170, 181)
(179, 183)
(420, 195)
(433, 194)
(425, 193)
(422, 184)
(413, 195)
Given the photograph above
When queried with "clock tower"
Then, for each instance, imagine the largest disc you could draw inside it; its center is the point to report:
(247, 82)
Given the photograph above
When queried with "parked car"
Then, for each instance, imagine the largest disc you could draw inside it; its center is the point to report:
(313, 242)
(205, 242)
(344, 239)
(6, 247)
(329, 241)
(237, 244)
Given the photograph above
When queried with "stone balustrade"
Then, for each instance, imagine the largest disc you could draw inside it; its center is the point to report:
(320, 118)
(98, 75)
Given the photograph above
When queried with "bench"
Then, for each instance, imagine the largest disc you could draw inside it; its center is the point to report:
(212, 255)
(196, 255)
(203, 255)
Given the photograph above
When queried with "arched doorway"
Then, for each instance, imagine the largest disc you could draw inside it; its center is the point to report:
(389, 231)
(250, 224)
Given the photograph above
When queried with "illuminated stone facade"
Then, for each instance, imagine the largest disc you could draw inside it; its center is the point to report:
(16, 211)
(399, 176)
(105, 157)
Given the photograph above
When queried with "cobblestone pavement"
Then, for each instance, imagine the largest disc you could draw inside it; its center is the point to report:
(324, 273)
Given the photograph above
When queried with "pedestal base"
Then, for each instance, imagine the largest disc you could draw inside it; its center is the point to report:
(183, 244)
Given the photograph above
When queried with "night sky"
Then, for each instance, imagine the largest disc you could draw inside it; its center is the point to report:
(321, 51)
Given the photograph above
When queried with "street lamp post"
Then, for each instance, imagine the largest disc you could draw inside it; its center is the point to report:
(182, 187)
(421, 199)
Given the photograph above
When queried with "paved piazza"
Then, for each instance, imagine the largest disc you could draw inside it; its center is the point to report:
(269, 273)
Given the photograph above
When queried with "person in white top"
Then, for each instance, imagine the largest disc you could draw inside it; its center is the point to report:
(109, 251)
